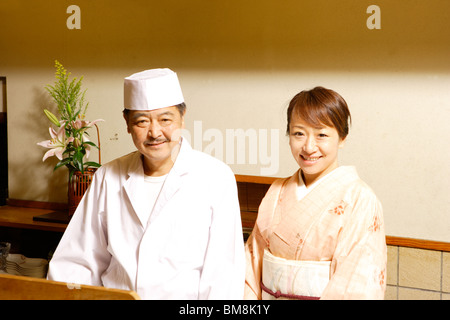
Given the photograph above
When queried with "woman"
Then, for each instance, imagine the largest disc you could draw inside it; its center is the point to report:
(319, 233)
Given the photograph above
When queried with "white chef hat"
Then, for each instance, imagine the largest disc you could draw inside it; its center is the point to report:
(152, 89)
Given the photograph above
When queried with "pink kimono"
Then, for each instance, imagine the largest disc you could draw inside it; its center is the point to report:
(336, 230)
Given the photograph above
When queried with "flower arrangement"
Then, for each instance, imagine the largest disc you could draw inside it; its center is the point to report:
(69, 142)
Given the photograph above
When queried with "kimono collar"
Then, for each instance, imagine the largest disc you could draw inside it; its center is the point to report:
(341, 172)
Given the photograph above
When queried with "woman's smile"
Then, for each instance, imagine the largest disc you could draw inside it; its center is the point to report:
(310, 159)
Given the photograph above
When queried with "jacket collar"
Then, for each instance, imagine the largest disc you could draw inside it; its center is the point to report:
(135, 182)
(174, 179)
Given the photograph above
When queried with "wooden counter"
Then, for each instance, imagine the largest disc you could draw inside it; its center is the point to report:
(22, 217)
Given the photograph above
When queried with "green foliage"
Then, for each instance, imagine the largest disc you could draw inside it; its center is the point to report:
(68, 95)
(70, 100)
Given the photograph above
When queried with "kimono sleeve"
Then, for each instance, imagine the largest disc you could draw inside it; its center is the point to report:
(254, 251)
(358, 268)
(82, 256)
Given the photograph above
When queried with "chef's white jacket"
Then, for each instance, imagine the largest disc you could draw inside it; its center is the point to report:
(191, 246)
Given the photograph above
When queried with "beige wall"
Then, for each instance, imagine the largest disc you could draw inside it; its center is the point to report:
(239, 63)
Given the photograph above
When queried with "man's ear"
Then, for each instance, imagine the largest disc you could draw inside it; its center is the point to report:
(126, 121)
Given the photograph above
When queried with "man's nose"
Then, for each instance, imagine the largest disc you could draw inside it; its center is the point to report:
(154, 130)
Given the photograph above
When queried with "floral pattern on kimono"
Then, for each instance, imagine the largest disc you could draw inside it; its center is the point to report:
(340, 220)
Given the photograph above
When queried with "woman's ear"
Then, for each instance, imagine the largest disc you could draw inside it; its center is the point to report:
(342, 143)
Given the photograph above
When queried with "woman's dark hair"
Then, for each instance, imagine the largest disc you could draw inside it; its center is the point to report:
(321, 106)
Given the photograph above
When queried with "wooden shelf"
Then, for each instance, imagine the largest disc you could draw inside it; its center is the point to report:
(418, 243)
(255, 179)
(22, 217)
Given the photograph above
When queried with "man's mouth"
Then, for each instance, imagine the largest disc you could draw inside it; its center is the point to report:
(155, 143)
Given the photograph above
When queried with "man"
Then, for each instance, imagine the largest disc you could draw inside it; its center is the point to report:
(163, 221)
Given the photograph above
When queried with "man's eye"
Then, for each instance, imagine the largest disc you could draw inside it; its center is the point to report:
(141, 122)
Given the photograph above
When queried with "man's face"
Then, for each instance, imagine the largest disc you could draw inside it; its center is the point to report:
(156, 135)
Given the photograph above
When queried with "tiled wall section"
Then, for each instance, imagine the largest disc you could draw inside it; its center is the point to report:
(417, 274)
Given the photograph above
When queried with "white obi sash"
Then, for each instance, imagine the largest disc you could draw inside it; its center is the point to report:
(291, 279)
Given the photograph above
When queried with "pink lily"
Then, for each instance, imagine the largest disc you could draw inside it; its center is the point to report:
(57, 144)
(85, 123)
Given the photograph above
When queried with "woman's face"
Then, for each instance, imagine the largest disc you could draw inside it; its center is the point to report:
(314, 149)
